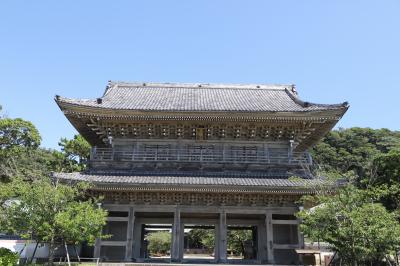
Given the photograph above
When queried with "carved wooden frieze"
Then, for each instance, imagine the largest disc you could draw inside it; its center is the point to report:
(198, 199)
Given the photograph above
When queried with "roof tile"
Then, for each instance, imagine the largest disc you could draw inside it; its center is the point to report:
(208, 97)
(186, 180)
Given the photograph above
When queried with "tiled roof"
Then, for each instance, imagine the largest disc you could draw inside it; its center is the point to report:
(203, 181)
(200, 97)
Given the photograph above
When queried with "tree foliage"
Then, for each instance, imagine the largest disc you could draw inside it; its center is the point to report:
(201, 238)
(237, 239)
(386, 168)
(357, 227)
(21, 156)
(354, 149)
(159, 243)
(361, 222)
(8, 258)
(49, 212)
(16, 133)
(205, 238)
(76, 150)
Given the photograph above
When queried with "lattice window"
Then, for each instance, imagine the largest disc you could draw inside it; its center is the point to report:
(266, 132)
(150, 130)
(209, 199)
(193, 198)
(252, 132)
(124, 196)
(237, 132)
(210, 132)
(164, 131)
(180, 131)
(147, 198)
(143, 132)
(163, 198)
(177, 198)
(193, 130)
(239, 199)
(223, 199)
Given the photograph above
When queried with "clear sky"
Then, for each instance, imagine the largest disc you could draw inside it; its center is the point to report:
(334, 51)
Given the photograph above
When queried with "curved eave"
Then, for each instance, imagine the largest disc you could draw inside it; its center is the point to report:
(202, 189)
(299, 187)
(118, 187)
(79, 115)
(327, 112)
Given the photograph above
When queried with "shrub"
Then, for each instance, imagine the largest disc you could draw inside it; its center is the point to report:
(159, 242)
(8, 258)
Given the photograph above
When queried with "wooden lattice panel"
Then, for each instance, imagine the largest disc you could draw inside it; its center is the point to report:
(199, 199)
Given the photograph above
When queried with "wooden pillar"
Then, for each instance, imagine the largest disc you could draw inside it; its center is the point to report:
(270, 238)
(261, 243)
(222, 238)
(216, 242)
(130, 235)
(176, 237)
(137, 241)
(182, 242)
(143, 247)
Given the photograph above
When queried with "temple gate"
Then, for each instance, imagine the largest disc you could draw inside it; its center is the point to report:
(216, 155)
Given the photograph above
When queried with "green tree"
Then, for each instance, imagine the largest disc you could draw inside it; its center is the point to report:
(50, 212)
(18, 140)
(386, 173)
(17, 133)
(159, 242)
(356, 227)
(76, 150)
(8, 258)
(386, 168)
(200, 237)
(237, 239)
(21, 156)
(353, 150)
(32, 164)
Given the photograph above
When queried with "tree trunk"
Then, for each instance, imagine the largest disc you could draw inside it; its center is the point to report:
(66, 251)
(77, 255)
(242, 249)
(51, 251)
(34, 252)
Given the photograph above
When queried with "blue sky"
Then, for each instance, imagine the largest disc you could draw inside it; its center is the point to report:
(334, 51)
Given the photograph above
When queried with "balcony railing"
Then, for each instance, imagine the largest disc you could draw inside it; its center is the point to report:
(205, 156)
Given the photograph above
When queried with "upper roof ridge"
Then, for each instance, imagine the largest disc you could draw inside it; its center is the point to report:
(116, 84)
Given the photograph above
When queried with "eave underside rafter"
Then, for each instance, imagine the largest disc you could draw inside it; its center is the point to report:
(303, 130)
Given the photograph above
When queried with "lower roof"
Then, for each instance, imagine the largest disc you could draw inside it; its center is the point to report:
(110, 181)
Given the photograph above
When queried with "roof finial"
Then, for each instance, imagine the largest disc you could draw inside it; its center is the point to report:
(294, 91)
(108, 85)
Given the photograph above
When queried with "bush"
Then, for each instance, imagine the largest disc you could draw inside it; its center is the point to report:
(8, 258)
(159, 243)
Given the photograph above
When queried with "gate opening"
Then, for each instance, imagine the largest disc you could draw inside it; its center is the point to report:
(199, 242)
(157, 241)
(242, 242)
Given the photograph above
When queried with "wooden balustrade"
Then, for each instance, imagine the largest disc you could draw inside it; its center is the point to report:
(199, 155)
